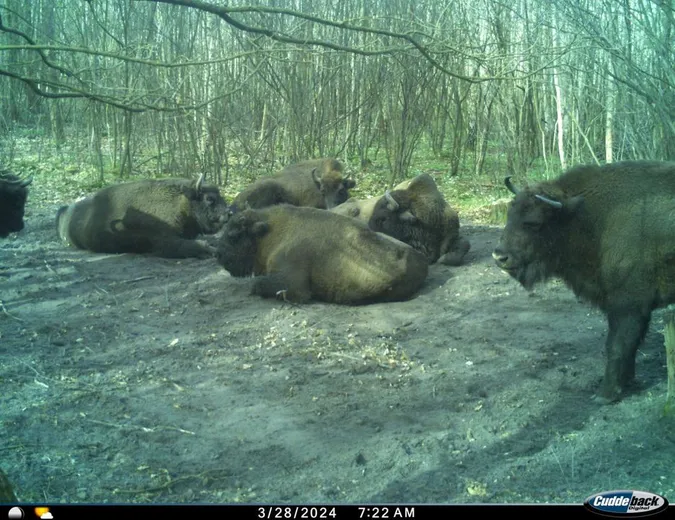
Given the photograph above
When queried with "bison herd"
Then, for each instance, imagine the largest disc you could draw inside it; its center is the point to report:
(607, 231)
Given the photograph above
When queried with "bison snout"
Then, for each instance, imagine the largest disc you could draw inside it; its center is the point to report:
(501, 257)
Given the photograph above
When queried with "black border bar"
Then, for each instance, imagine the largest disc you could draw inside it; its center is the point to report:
(300, 511)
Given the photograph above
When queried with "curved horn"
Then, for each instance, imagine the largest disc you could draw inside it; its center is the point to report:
(392, 205)
(200, 181)
(511, 187)
(552, 202)
(13, 180)
(314, 178)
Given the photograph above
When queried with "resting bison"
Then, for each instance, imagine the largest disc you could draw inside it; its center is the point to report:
(416, 213)
(304, 253)
(318, 183)
(361, 209)
(609, 233)
(13, 193)
(158, 217)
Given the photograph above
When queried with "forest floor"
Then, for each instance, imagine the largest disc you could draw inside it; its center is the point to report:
(133, 379)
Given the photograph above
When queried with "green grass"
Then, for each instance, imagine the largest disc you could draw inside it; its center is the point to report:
(69, 173)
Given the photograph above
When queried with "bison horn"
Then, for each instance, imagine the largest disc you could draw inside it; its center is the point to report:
(392, 205)
(200, 181)
(552, 202)
(14, 181)
(510, 186)
(316, 180)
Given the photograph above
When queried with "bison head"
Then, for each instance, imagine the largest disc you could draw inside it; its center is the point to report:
(392, 215)
(239, 244)
(333, 187)
(532, 241)
(263, 193)
(207, 206)
(13, 193)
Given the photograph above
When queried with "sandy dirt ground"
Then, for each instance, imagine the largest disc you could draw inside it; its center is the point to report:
(132, 379)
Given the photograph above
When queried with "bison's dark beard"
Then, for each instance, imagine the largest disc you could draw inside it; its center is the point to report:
(529, 274)
(237, 262)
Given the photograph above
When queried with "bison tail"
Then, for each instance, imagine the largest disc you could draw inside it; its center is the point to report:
(60, 212)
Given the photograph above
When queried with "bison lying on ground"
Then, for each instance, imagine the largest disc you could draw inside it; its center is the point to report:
(158, 217)
(609, 233)
(13, 194)
(360, 209)
(317, 183)
(304, 253)
(416, 213)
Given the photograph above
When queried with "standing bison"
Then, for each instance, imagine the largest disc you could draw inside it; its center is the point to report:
(416, 213)
(609, 233)
(157, 217)
(317, 183)
(13, 194)
(304, 253)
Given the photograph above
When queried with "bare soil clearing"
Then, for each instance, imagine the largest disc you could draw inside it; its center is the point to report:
(137, 379)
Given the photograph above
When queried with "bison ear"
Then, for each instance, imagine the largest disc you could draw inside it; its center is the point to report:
(260, 228)
(349, 183)
(574, 204)
(407, 216)
(210, 199)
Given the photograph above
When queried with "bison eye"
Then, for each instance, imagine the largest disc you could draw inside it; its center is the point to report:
(532, 225)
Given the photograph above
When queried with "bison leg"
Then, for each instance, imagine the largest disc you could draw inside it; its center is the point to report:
(120, 242)
(173, 247)
(627, 329)
(456, 255)
(293, 287)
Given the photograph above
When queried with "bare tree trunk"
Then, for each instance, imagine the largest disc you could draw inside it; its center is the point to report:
(95, 138)
(560, 123)
(669, 339)
(458, 131)
(125, 164)
(609, 122)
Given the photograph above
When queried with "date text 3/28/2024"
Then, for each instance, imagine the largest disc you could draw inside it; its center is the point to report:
(331, 512)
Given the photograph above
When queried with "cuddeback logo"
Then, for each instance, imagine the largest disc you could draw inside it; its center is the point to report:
(626, 503)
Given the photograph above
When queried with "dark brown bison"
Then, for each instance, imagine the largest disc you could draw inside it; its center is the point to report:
(304, 253)
(13, 194)
(416, 213)
(609, 233)
(317, 183)
(158, 217)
